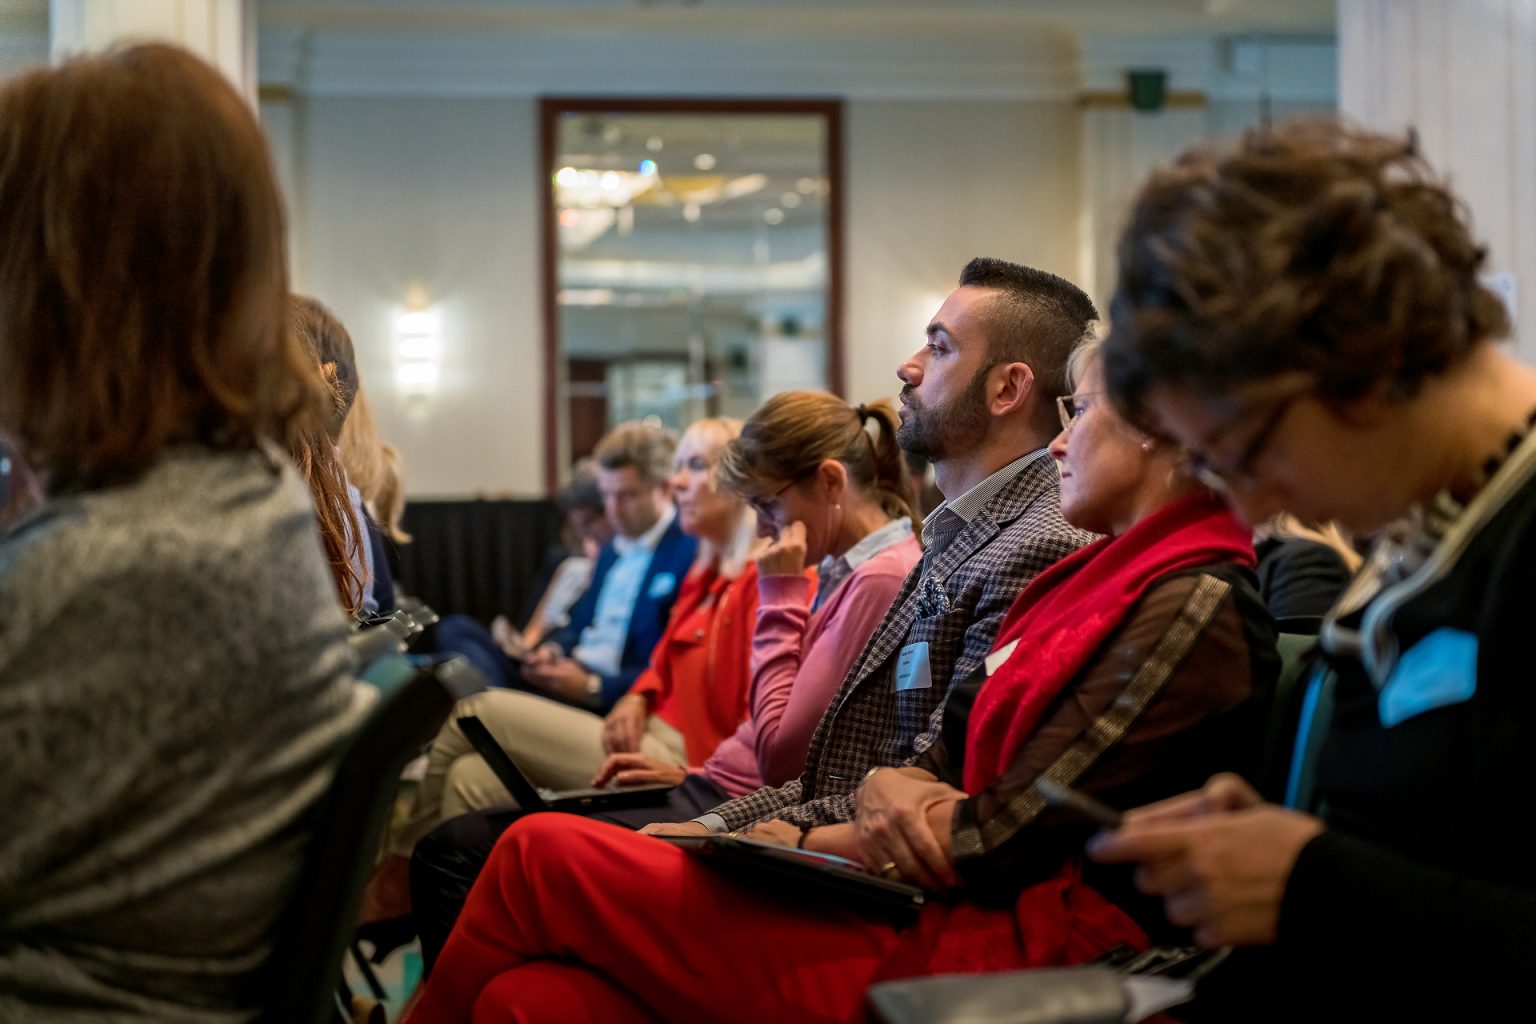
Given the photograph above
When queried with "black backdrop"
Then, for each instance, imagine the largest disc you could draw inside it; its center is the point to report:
(481, 558)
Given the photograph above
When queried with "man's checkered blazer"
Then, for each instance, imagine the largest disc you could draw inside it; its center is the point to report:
(1015, 535)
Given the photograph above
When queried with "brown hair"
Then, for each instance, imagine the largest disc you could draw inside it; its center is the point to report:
(340, 532)
(314, 451)
(1309, 247)
(795, 431)
(327, 340)
(635, 443)
(142, 289)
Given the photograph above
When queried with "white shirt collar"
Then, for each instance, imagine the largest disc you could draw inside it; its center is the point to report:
(650, 538)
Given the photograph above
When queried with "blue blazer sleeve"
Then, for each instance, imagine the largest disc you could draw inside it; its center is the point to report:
(670, 562)
(663, 579)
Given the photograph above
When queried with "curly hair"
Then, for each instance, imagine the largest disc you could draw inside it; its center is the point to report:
(1308, 247)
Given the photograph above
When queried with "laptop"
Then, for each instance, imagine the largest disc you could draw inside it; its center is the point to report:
(537, 798)
(821, 877)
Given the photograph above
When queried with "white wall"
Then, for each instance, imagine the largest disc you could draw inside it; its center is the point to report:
(932, 184)
(980, 148)
(391, 195)
(437, 198)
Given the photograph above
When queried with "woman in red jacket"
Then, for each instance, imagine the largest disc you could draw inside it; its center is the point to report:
(1125, 671)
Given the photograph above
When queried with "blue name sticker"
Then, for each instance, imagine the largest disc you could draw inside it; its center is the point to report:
(912, 671)
(662, 584)
(1436, 672)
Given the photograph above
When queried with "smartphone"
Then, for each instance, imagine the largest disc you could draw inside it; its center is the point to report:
(1067, 798)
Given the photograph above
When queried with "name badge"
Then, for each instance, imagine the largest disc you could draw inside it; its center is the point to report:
(662, 584)
(1438, 671)
(912, 671)
(999, 657)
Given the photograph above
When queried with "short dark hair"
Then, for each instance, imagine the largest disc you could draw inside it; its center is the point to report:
(1038, 319)
(582, 491)
(1306, 247)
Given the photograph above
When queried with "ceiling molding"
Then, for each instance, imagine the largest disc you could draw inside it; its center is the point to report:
(1240, 68)
(392, 64)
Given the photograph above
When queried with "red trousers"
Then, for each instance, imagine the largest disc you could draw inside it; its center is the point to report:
(574, 920)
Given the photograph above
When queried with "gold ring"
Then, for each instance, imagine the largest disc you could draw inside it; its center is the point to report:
(887, 867)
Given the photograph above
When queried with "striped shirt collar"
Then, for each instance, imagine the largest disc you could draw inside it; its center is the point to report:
(967, 505)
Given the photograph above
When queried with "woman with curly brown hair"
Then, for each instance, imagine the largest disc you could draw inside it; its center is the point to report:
(1304, 313)
(174, 678)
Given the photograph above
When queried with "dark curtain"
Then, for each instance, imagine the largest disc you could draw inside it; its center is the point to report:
(479, 558)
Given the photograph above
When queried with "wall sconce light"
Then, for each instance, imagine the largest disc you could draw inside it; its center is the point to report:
(418, 351)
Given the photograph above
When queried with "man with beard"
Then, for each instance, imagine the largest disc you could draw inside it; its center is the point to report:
(978, 400)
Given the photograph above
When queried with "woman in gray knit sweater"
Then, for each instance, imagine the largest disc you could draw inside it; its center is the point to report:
(173, 681)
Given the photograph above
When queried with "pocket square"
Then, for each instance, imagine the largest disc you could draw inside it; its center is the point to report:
(932, 599)
(662, 584)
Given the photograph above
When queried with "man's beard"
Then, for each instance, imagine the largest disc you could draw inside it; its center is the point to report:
(942, 431)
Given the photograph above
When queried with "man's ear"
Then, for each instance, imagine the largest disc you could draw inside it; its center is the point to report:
(1015, 384)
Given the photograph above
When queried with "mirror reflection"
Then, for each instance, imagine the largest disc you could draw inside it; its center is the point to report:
(692, 275)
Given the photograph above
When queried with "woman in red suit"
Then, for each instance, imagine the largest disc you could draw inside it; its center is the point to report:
(1126, 670)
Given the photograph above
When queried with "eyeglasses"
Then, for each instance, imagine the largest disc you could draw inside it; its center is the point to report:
(1219, 476)
(1070, 407)
(767, 507)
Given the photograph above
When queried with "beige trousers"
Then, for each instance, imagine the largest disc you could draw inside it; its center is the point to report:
(554, 744)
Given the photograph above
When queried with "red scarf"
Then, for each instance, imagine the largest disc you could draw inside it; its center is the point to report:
(1060, 621)
(1067, 612)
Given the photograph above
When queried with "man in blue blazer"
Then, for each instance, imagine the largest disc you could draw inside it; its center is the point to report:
(599, 654)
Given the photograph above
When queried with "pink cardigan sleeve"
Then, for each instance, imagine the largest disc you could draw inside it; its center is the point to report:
(799, 660)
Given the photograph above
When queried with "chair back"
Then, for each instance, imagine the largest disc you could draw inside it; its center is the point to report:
(1295, 640)
(346, 827)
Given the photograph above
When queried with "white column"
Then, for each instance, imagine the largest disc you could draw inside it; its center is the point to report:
(1463, 75)
(1120, 147)
(222, 32)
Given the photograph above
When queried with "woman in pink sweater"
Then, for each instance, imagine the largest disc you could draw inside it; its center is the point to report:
(829, 487)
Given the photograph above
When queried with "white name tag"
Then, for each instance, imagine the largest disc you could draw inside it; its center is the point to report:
(912, 671)
(999, 657)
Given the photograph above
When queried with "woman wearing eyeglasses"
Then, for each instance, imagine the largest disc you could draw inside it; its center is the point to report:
(828, 487)
(831, 493)
(1305, 310)
(1125, 670)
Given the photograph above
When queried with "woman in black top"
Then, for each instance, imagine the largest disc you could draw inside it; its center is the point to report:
(1304, 313)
